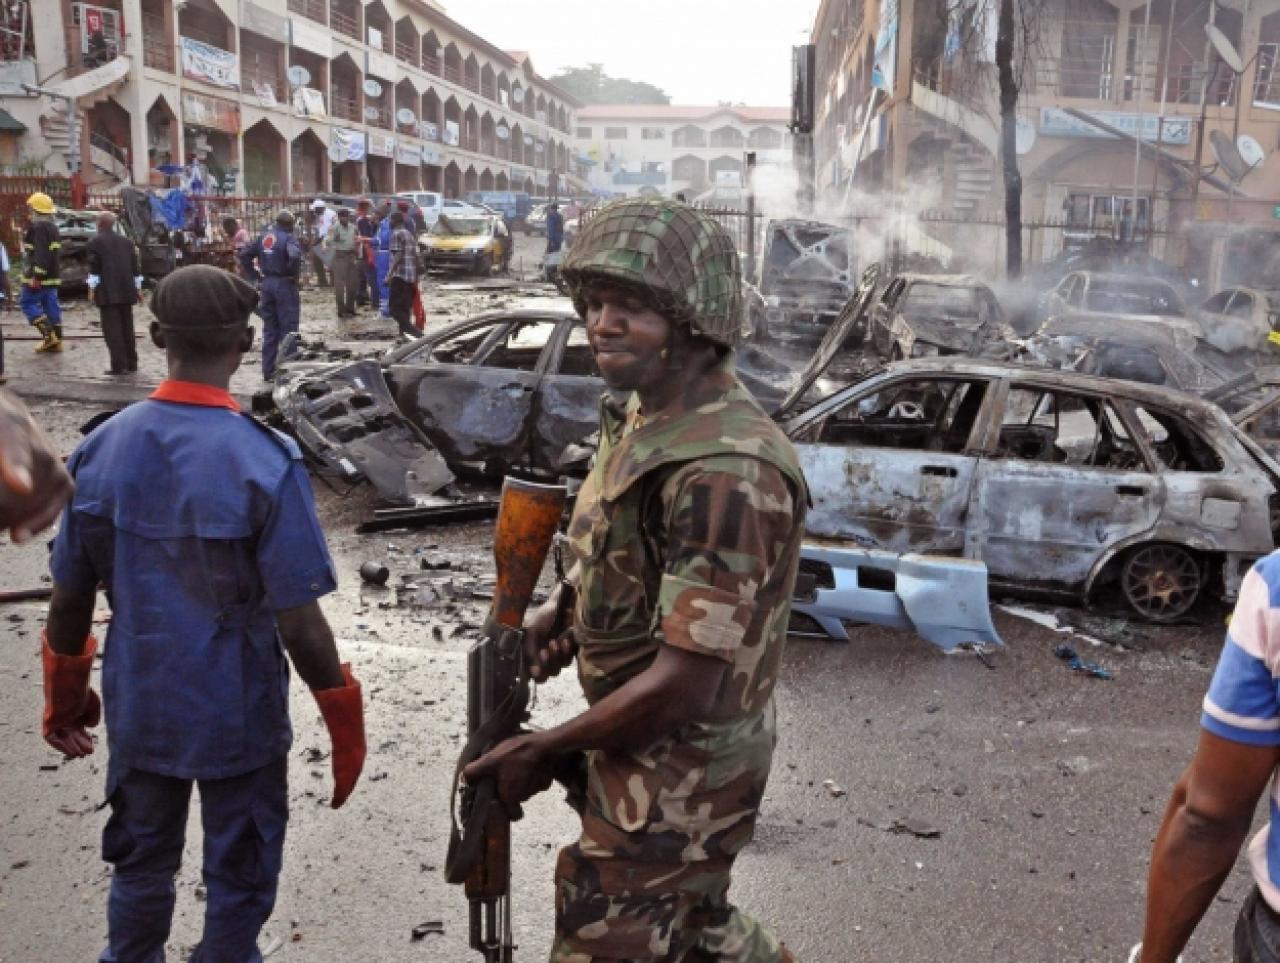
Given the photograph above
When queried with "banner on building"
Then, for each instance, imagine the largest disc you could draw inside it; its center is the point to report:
(410, 154)
(452, 136)
(1058, 123)
(309, 102)
(266, 95)
(201, 61)
(347, 144)
(311, 36)
(885, 67)
(211, 112)
(520, 174)
(264, 23)
(431, 157)
(381, 145)
(428, 131)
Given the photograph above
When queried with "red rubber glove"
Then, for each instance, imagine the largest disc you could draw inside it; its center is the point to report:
(343, 712)
(70, 706)
(34, 282)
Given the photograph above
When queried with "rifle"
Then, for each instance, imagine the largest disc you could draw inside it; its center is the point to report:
(497, 704)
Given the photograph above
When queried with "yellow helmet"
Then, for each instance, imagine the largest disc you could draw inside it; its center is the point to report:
(40, 203)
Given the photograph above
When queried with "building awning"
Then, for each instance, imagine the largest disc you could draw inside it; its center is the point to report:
(10, 124)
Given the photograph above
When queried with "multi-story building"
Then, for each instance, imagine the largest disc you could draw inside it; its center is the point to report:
(906, 97)
(671, 149)
(281, 96)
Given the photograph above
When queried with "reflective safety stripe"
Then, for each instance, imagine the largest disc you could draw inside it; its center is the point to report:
(55, 245)
(1274, 337)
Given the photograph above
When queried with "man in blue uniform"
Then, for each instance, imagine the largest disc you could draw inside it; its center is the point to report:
(279, 257)
(366, 231)
(200, 525)
(382, 257)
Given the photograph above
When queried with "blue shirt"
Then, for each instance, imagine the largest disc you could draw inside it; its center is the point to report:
(555, 227)
(201, 525)
(278, 253)
(1243, 704)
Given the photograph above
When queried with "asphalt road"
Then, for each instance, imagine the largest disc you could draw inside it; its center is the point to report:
(1045, 787)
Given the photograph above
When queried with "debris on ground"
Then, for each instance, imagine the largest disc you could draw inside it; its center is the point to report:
(429, 928)
(1070, 656)
(832, 788)
(375, 573)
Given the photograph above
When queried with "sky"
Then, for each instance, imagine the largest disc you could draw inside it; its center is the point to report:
(698, 51)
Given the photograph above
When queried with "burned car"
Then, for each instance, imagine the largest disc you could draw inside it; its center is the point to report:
(1093, 292)
(1242, 318)
(1064, 485)
(807, 274)
(926, 315)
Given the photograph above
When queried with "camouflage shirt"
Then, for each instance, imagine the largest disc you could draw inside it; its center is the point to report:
(687, 533)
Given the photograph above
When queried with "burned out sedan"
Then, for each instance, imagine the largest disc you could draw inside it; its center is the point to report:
(520, 389)
(1062, 484)
(926, 315)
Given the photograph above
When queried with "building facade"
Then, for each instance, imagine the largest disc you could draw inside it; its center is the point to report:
(281, 96)
(673, 149)
(906, 98)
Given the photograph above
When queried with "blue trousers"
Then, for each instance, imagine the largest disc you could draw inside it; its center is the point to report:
(41, 304)
(382, 261)
(279, 307)
(244, 820)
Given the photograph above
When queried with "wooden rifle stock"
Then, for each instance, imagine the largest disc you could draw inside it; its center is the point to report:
(497, 700)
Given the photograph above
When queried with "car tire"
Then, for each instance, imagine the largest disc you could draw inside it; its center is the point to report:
(484, 265)
(1161, 582)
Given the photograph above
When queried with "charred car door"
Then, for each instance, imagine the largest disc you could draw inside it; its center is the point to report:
(568, 402)
(473, 395)
(888, 462)
(1063, 481)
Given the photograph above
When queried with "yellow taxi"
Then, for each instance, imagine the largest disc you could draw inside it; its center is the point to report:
(474, 243)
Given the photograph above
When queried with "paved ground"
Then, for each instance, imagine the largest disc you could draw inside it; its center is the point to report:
(1046, 786)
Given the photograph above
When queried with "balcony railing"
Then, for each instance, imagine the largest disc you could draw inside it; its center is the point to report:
(157, 47)
(453, 73)
(385, 117)
(344, 106)
(311, 9)
(472, 84)
(431, 64)
(470, 142)
(488, 91)
(1185, 84)
(344, 23)
(1266, 83)
(407, 52)
(384, 31)
(252, 80)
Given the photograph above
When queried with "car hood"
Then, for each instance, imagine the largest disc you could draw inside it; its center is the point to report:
(944, 332)
(851, 315)
(442, 243)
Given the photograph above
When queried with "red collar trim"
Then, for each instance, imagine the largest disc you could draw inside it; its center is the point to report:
(191, 393)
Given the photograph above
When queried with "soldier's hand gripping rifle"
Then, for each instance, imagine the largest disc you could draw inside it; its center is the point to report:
(497, 703)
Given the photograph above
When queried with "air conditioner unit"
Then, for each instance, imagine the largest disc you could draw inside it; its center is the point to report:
(89, 18)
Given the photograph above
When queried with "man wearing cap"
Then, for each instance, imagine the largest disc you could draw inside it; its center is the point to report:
(40, 273)
(555, 228)
(115, 280)
(686, 536)
(279, 261)
(200, 525)
(322, 220)
(341, 240)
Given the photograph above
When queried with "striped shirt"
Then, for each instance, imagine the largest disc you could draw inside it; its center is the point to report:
(1243, 704)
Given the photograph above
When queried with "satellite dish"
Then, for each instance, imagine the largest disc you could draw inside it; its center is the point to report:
(517, 95)
(1025, 136)
(541, 146)
(1250, 151)
(405, 116)
(1228, 155)
(502, 132)
(372, 88)
(1225, 48)
(299, 76)
(371, 113)
(528, 140)
(337, 153)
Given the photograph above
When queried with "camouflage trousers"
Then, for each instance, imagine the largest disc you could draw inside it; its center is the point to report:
(618, 911)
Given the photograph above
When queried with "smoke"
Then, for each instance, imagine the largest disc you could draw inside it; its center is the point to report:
(1232, 334)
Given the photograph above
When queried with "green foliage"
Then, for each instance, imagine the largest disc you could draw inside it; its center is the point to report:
(592, 85)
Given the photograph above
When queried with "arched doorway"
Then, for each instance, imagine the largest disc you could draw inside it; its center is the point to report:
(470, 181)
(486, 180)
(264, 161)
(309, 161)
(110, 145)
(452, 180)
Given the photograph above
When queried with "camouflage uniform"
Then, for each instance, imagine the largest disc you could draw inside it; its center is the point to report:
(687, 533)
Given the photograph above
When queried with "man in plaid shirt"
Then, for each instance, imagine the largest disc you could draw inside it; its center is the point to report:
(402, 275)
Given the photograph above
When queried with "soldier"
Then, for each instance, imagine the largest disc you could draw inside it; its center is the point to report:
(279, 257)
(40, 273)
(686, 536)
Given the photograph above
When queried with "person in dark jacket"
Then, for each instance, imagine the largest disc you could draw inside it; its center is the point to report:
(115, 278)
(555, 228)
(278, 259)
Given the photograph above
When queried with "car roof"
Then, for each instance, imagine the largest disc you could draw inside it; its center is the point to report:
(1122, 278)
(1055, 378)
(945, 280)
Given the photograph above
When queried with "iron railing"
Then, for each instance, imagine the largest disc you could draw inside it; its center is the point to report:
(311, 9)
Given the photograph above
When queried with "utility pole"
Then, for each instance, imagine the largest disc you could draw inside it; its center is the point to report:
(1009, 141)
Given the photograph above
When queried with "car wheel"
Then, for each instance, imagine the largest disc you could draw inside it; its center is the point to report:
(484, 265)
(1161, 582)
(896, 354)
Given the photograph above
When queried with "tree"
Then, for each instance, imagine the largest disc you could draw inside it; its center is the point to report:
(1009, 89)
(592, 85)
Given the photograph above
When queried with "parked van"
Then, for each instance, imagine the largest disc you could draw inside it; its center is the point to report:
(512, 205)
(433, 204)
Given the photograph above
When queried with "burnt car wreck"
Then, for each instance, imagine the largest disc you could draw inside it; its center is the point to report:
(807, 275)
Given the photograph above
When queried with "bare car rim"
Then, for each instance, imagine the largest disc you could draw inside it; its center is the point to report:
(1161, 582)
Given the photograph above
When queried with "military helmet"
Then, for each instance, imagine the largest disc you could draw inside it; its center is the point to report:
(285, 219)
(678, 257)
(40, 202)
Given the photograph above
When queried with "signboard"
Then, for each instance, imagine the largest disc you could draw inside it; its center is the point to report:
(452, 135)
(381, 65)
(428, 130)
(885, 67)
(410, 154)
(266, 95)
(311, 36)
(200, 61)
(211, 112)
(520, 174)
(431, 157)
(264, 23)
(347, 144)
(1275, 212)
(381, 144)
(309, 102)
(1058, 123)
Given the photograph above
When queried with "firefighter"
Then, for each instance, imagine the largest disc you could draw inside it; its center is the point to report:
(279, 257)
(40, 278)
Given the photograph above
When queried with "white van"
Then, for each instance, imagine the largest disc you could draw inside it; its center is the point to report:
(433, 205)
